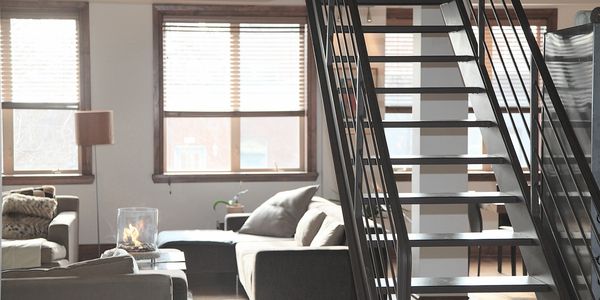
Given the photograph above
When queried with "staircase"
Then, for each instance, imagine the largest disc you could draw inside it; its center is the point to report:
(551, 220)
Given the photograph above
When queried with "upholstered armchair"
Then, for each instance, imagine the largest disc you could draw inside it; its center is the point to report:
(62, 243)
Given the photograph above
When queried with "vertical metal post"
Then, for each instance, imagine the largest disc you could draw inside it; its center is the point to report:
(595, 142)
(481, 31)
(534, 147)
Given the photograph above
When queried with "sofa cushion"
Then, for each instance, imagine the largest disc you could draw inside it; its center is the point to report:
(95, 267)
(331, 233)
(308, 226)
(52, 251)
(279, 215)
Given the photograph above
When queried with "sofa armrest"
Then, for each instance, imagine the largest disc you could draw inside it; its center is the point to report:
(67, 203)
(64, 230)
(235, 221)
(122, 287)
(303, 273)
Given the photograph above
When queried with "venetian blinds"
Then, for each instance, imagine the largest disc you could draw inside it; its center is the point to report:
(233, 66)
(501, 52)
(39, 60)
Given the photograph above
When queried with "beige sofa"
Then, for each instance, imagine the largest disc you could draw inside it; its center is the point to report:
(99, 279)
(269, 268)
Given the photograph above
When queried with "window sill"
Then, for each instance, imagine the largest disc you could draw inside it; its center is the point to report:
(233, 177)
(42, 179)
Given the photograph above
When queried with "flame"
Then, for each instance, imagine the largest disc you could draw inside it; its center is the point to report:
(131, 235)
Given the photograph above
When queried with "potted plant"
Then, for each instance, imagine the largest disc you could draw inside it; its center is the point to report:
(233, 205)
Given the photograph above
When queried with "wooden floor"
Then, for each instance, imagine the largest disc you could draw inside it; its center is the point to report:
(488, 268)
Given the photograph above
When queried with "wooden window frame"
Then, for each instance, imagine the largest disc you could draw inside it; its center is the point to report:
(308, 125)
(42, 9)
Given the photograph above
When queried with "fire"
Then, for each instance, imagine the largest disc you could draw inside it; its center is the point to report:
(131, 235)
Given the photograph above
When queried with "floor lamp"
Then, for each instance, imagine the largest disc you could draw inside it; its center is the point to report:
(94, 128)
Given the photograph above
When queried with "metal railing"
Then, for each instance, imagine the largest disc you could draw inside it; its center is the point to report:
(375, 227)
(563, 190)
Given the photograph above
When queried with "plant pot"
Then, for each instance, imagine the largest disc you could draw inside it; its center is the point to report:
(238, 208)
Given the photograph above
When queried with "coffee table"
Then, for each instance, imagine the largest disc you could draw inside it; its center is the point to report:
(168, 259)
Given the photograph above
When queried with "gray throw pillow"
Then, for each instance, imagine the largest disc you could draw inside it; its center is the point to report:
(309, 226)
(331, 233)
(279, 215)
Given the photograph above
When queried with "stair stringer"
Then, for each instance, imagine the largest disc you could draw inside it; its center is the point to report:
(509, 177)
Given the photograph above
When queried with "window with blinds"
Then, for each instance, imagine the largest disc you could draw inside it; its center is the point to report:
(40, 90)
(233, 95)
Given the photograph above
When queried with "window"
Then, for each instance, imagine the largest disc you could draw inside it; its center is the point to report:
(234, 96)
(43, 70)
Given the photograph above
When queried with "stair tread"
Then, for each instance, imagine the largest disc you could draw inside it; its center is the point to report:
(401, 2)
(411, 29)
(449, 159)
(437, 123)
(429, 90)
(410, 58)
(450, 198)
(483, 284)
(487, 237)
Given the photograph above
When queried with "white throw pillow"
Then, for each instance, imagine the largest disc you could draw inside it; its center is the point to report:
(309, 226)
(279, 215)
(331, 233)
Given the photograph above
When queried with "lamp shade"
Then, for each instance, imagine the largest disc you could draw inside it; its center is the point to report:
(94, 127)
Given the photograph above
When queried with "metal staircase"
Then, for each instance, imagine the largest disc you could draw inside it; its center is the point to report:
(552, 221)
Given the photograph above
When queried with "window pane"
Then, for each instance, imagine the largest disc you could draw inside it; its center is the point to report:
(271, 62)
(198, 144)
(44, 140)
(270, 143)
(43, 61)
(196, 62)
(400, 74)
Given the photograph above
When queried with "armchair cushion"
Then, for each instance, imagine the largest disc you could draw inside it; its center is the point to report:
(279, 215)
(52, 251)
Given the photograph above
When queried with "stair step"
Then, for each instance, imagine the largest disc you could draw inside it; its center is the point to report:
(447, 159)
(483, 284)
(485, 238)
(410, 59)
(429, 90)
(466, 159)
(410, 29)
(438, 124)
(448, 198)
(402, 2)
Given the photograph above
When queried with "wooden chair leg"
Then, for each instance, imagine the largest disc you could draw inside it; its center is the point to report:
(513, 260)
(499, 259)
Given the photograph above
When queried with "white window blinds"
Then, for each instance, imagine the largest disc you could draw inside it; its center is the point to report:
(40, 60)
(233, 66)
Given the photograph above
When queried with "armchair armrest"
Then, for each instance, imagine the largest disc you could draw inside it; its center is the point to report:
(235, 221)
(64, 230)
(304, 272)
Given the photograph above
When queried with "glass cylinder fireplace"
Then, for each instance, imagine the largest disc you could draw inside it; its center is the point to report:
(137, 230)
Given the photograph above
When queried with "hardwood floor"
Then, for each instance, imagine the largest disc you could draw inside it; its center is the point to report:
(488, 268)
